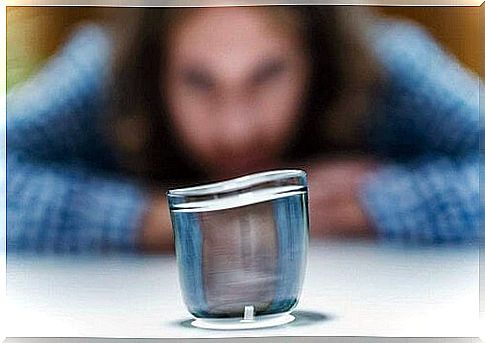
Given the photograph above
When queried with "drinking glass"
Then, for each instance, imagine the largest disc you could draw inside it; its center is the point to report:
(241, 248)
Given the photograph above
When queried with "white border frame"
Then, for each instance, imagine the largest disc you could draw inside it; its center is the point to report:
(174, 3)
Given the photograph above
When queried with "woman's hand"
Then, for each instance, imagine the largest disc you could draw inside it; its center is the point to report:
(335, 210)
(156, 233)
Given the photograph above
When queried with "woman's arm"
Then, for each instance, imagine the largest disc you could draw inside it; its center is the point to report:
(425, 132)
(429, 103)
(433, 199)
(61, 208)
(56, 200)
(54, 115)
(429, 200)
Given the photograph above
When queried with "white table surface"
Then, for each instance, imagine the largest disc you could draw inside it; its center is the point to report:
(350, 289)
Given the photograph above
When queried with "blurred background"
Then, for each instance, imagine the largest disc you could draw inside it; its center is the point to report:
(34, 33)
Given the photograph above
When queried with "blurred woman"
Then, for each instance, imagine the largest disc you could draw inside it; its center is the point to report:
(384, 121)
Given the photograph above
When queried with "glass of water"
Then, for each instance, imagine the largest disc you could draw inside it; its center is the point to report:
(241, 248)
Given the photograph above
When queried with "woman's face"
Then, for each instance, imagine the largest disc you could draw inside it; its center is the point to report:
(234, 83)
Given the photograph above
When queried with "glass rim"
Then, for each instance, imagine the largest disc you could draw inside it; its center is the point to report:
(238, 183)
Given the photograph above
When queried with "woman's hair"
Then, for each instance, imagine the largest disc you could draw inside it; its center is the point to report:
(343, 80)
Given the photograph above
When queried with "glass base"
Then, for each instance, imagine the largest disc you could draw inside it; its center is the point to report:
(241, 324)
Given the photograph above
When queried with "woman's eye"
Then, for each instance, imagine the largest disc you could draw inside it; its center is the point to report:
(268, 71)
(198, 80)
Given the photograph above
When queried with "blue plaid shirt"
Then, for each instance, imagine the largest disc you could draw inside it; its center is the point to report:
(65, 194)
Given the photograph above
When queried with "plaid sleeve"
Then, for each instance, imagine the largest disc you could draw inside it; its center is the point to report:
(430, 102)
(426, 128)
(55, 114)
(432, 200)
(56, 208)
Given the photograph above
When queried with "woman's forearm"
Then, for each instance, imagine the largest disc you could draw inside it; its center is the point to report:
(61, 208)
(433, 200)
